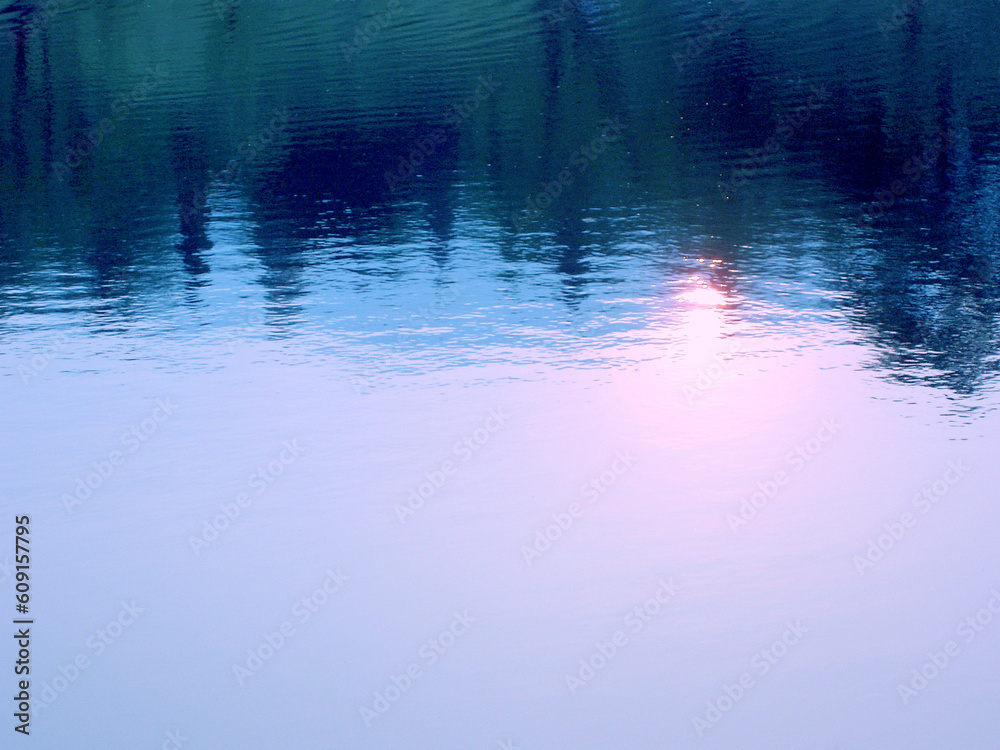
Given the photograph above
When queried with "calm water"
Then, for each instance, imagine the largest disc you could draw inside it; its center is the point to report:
(604, 375)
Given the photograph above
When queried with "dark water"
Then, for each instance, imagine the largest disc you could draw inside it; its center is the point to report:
(768, 136)
(692, 230)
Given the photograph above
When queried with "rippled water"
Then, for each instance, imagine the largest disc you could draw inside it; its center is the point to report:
(503, 320)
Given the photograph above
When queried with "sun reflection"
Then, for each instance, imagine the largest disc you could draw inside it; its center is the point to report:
(702, 293)
(703, 322)
(704, 296)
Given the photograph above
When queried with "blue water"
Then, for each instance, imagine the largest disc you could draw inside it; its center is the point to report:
(525, 375)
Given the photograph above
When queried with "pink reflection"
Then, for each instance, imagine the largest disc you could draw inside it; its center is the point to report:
(703, 324)
(702, 294)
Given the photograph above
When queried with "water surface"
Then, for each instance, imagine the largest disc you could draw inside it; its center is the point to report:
(501, 321)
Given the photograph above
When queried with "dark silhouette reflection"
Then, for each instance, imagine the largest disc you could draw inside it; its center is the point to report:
(440, 196)
(191, 166)
(931, 302)
(192, 174)
(896, 169)
(731, 93)
(20, 101)
(333, 187)
(859, 160)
